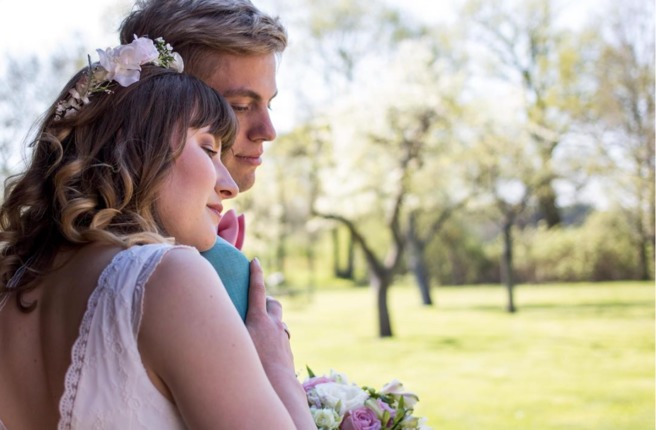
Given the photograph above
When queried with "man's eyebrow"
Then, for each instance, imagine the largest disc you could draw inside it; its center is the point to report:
(245, 92)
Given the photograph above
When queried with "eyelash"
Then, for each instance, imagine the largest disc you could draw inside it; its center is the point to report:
(212, 153)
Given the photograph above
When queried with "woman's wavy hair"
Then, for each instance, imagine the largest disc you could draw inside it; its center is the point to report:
(198, 28)
(94, 176)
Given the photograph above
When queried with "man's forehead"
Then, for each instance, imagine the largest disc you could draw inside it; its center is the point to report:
(252, 77)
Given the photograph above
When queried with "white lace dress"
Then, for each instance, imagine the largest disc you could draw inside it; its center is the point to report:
(106, 385)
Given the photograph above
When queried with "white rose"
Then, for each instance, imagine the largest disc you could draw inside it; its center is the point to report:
(325, 419)
(341, 397)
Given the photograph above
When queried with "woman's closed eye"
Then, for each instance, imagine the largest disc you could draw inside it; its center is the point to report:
(210, 151)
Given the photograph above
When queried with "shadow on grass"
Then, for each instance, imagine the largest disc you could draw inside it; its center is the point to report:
(567, 307)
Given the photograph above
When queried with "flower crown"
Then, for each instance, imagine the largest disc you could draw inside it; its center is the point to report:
(121, 64)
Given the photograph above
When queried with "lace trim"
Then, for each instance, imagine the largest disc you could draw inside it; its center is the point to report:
(72, 378)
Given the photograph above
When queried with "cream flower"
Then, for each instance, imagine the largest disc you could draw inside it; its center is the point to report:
(341, 397)
(123, 63)
(325, 418)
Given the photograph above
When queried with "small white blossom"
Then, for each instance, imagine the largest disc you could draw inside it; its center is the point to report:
(325, 418)
(341, 397)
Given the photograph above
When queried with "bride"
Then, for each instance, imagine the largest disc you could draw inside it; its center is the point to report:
(110, 318)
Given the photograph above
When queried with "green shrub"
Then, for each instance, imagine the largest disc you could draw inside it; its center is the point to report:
(601, 249)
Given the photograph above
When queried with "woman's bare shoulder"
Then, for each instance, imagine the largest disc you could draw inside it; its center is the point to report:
(183, 276)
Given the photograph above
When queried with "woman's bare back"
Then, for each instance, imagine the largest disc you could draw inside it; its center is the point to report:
(36, 346)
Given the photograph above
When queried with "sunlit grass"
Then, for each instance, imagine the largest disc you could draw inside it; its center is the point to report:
(572, 357)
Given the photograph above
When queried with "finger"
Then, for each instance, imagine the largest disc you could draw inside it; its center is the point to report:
(274, 308)
(284, 327)
(257, 292)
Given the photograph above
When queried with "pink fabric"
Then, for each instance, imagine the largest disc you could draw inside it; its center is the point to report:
(232, 228)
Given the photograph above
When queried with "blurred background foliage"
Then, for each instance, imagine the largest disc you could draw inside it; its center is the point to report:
(504, 145)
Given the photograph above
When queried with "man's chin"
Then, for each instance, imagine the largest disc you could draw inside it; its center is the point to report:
(245, 183)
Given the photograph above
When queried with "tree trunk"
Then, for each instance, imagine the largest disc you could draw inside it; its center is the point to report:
(507, 265)
(644, 260)
(281, 252)
(417, 263)
(335, 236)
(643, 247)
(548, 207)
(380, 285)
(312, 281)
(348, 272)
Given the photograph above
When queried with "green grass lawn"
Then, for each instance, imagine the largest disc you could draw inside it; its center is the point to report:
(575, 356)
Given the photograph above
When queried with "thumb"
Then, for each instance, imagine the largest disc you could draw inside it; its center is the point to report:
(256, 291)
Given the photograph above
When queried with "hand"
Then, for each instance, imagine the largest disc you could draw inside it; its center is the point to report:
(268, 332)
(271, 338)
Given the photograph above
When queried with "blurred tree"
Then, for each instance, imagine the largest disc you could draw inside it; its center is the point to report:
(624, 107)
(507, 175)
(406, 149)
(343, 35)
(27, 86)
(542, 63)
(282, 197)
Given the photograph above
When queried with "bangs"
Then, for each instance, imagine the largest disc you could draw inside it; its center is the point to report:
(212, 111)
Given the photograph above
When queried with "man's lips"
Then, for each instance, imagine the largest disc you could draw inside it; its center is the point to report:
(255, 159)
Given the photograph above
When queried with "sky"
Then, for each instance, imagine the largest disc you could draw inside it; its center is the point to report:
(40, 27)
(35, 26)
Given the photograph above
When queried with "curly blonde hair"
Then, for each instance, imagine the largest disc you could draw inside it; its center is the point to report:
(95, 176)
(198, 28)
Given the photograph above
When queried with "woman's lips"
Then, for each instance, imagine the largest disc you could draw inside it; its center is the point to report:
(216, 210)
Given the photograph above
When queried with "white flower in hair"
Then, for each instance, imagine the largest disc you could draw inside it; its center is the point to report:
(122, 65)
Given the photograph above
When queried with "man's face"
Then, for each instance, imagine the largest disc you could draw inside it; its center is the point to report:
(249, 84)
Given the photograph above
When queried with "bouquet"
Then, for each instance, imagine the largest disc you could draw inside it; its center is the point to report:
(337, 404)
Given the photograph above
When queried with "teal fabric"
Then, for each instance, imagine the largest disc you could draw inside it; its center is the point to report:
(234, 270)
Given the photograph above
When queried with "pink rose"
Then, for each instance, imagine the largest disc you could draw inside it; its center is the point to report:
(360, 419)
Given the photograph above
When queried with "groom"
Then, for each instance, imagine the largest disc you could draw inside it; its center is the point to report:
(234, 47)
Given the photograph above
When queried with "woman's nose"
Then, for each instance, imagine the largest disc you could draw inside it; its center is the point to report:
(226, 187)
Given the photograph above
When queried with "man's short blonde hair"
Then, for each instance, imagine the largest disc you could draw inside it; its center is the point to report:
(199, 28)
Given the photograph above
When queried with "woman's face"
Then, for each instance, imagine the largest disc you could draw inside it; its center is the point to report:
(190, 202)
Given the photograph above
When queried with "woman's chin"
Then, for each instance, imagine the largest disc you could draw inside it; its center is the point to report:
(206, 245)
(202, 244)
